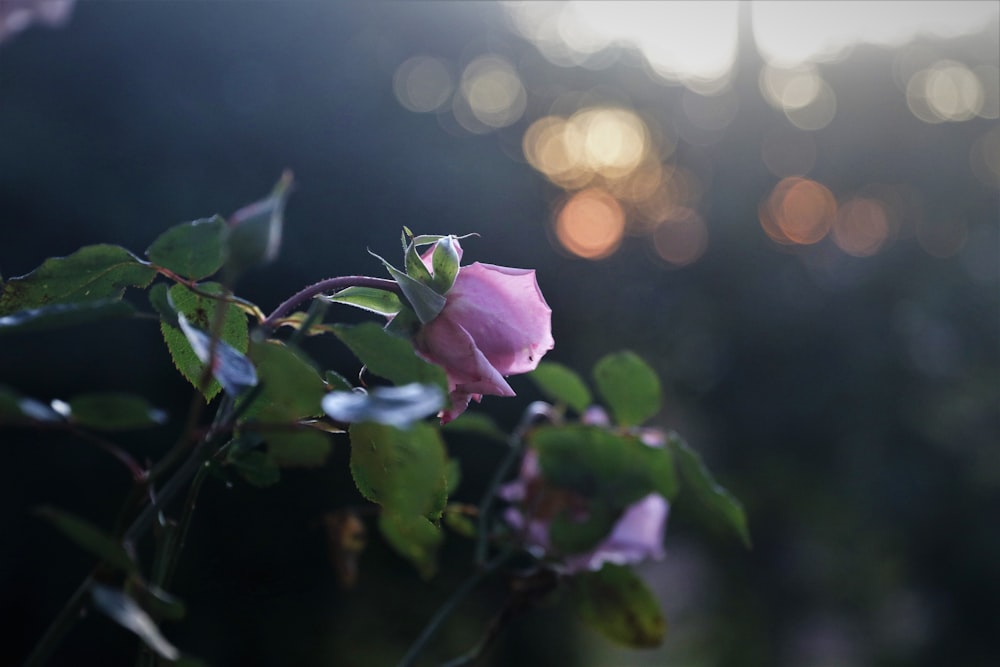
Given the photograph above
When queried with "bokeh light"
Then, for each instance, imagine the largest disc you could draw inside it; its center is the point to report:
(493, 91)
(984, 157)
(682, 238)
(423, 84)
(942, 236)
(798, 211)
(590, 224)
(861, 226)
(946, 91)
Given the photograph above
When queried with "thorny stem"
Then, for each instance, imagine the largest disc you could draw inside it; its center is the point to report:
(328, 285)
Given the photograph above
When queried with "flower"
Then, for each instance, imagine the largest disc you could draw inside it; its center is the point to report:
(636, 536)
(16, 15)
(495, 322)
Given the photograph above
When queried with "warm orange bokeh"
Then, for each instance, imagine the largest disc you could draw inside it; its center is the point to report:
(861, 227)
(591, 224)
(798, 211)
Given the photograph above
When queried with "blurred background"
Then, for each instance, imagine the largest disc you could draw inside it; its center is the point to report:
(789, 208)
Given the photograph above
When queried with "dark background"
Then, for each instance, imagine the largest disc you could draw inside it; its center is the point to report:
(851, 403)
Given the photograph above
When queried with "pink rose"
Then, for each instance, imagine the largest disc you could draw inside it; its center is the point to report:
(495, 322)
(637, 536)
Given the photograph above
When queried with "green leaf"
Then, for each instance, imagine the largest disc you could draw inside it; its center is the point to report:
(719, 502)
(459, 522)
(373, 300)
(256, 467)
(561, 385)
(254, 232)
(291, 388)
(616, 603)
(571, 536)
(336, 381)
(124, 611)
(115, 412)
(64, 315)
(395, 406)
(199, 312)
(389, 356)
(406, 473)
(413, 537)
(299, 449)
(92, 273)
(193, 250)
(629, 387)
(475, 423)
(231, 369)
(90, 537)
(596, 463)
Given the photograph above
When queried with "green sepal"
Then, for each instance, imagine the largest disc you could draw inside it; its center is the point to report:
(444, 261)
(378, 301)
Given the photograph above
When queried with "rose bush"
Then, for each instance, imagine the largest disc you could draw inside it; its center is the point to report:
(495, 323)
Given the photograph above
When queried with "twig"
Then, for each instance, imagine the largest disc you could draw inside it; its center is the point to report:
(328, 285)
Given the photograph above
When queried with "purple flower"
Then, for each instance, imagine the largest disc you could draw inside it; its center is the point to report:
(16, 15)
(495, 322)
(637, 536)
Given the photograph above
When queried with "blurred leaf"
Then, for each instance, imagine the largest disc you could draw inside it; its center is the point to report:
(92, 273)
(255, 467)
(64, 315)
(193, 250)
(346, 539)
(200, 311)
(629, 386)
(389, 356)
(159, 298)
(160, 604)
(406, 473)
(291, 388)
(394, 406)
(90, 537)
(562, 385)
(298, 449)
(368, 298)
(336, 381)
(233, 371)
(616, 603)
(475, 423)
(458, 519)
(413, 537)
(254, 231)
(124, 611)
(596, 463)
(572, 536)
(114, 412)
(297, 319)
(16, 408)
(453, 476)
(721, 504)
